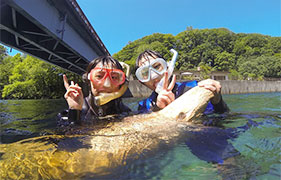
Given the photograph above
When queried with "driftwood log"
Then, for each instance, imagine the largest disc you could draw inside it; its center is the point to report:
(46, 158)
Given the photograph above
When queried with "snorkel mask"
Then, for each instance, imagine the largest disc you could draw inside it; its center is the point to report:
(102, 75)
(151, 70)
(116, 77)
(155, 68)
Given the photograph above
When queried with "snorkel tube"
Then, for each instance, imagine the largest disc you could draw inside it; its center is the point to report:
(104, 98)
(170, 70)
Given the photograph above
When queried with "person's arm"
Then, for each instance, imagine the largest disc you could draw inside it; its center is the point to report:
(166, 96)
(74, 95)
(221, 107)
(216, 107)
(75, 100)
(154, 107)
(217, 101)
(74, 115)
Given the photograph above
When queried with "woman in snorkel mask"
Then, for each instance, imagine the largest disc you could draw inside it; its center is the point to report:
(151, 67)
(107, 83)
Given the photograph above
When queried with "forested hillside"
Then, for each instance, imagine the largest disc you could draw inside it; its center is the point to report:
(26, 77)
(245, 56)
(253, 56)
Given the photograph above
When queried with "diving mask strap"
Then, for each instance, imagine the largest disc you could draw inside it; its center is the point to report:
(127, 67)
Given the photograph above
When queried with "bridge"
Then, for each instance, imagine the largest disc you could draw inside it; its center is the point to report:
(56, 31)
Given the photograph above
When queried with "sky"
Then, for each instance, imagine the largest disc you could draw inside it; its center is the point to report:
(119, 21)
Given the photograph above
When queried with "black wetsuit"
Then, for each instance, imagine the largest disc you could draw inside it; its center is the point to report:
(91, 113)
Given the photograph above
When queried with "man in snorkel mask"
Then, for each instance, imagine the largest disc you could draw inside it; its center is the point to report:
(152, 67)
(107, 83)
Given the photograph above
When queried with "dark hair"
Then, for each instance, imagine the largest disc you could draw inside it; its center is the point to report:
(145, 54)
(104, 60)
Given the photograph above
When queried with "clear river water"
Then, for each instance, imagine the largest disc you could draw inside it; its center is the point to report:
(246, 144)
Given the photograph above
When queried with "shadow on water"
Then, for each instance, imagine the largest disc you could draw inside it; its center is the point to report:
(242, 145)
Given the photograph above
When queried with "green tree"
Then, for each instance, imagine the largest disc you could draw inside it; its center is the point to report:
(260, 67)
(275, 44)
(225, 61)
(3, 52)
(158, 42)
(6, 68)
(235, 75)
(219, 48)
(205, 71)
(29, 77)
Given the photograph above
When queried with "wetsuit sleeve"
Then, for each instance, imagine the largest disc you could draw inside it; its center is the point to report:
(142, 107)
(148, 104)
(74, 115)
(221, 107)
(67, 118)
(71, 116)
(186, 88)
(154, 107)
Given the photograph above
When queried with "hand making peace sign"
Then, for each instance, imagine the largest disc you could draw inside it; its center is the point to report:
(73, 95)
(166, 96)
